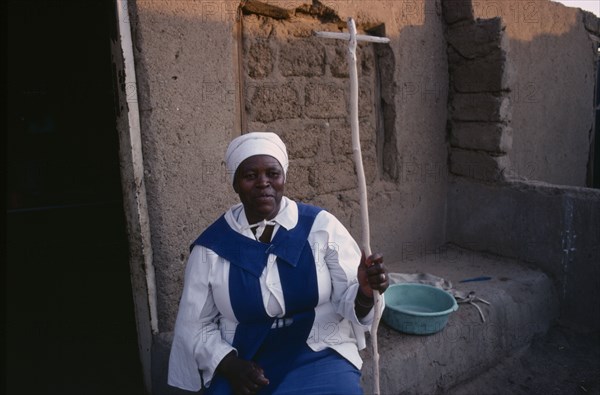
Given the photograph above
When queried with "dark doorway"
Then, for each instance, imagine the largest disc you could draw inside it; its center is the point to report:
(595, 149)
(70, 315)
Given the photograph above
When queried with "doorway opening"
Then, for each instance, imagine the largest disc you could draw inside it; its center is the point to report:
(70, 315)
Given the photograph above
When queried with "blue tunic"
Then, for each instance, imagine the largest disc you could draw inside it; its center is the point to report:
(289, 364)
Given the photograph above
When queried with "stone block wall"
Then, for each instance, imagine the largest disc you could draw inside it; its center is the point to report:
(297, 85)
(523, 72)
(553, 57)
(480, 110)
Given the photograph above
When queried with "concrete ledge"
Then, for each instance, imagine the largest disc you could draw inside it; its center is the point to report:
(554, 227)
(523, 303)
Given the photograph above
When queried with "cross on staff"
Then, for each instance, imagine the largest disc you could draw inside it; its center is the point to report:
(352, 38)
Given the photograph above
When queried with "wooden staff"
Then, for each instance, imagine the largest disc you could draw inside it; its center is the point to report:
(352, 38)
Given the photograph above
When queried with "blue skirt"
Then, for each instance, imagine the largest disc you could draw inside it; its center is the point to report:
(294, 368)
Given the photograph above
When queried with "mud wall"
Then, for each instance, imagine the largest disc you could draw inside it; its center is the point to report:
(207, 72)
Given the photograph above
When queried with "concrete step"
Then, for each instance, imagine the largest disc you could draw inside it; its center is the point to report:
(524, 303)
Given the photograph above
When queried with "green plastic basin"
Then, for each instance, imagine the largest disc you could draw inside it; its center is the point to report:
(417, 309)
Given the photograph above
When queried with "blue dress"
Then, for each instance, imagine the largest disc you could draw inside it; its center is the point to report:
(291, 366)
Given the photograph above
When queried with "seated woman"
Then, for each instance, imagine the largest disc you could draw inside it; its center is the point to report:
(277, 294)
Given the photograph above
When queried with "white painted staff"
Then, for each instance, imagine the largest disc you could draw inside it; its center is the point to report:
(352, 38)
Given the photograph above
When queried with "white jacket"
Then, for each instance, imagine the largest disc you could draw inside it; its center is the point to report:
(206, 324)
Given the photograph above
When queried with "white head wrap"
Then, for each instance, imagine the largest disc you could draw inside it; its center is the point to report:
(255, 143)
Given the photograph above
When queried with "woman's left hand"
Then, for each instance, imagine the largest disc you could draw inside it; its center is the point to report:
(372, 275)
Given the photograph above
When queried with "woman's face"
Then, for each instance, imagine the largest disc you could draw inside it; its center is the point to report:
(259, 181)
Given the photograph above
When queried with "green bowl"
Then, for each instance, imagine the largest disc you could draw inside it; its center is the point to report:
(417, 309)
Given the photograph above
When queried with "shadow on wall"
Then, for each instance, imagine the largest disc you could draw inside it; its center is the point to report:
(551, 89)
(523, 85)
(553, 116)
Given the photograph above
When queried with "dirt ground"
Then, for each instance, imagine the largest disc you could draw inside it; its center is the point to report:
(561, 362)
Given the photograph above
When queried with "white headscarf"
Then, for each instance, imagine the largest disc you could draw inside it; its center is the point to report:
(255, 143)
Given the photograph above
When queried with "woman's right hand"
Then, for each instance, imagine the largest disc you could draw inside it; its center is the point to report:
(245, 377)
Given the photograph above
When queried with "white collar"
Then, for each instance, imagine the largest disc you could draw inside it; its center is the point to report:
(286, 217)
